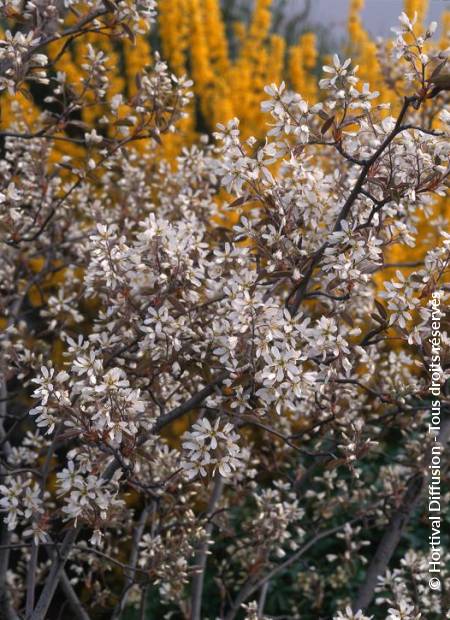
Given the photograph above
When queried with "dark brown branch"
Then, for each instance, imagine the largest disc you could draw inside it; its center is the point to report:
(393, 533)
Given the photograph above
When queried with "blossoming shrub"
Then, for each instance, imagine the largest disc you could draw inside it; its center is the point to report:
(305, 388)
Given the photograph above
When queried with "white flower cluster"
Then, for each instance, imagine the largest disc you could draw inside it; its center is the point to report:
(271, 531)
(169, 556)
(20, 56)
(252, 612)
(106, 406)
(51, 390)
(22, 501)
(400, 589)
(289, 110)
(211, 446)
(19, 61)
(87, 496)
(137, 11)
(278, 517)
(348, 614)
